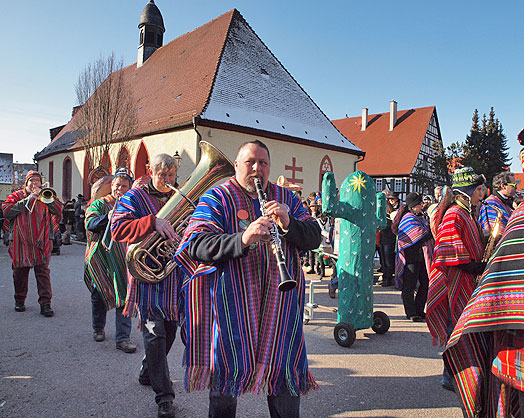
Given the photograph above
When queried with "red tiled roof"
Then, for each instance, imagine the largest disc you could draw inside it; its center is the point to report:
(174, 84)
(388, 153)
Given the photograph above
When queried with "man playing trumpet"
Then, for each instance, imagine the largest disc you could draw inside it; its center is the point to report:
(105, 272)
(32, 225)
(244, 335)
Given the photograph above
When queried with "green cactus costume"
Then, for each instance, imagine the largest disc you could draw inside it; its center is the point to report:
(362, 212)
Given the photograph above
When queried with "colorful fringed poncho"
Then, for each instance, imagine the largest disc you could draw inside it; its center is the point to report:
(458, 241)
(133, 221)
(244, 335)
(30, 234)
(411, 230)
(487, 215)
(481, 341)
(104, 270)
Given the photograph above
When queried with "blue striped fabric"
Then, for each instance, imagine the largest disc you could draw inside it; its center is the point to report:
(488, 215)
(153, 300)
(244, 335)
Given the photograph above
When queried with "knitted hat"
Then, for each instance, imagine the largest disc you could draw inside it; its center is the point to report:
(30, 174)
(124, 172)
(413, 199)
(466, 180)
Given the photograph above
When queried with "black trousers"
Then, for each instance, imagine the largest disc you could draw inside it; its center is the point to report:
(159, 336)
(284, 405)
(415, 273)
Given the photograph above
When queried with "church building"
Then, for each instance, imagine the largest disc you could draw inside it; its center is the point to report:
(218, 83)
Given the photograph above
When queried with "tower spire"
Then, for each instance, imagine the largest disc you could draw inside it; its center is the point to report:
(151, 29)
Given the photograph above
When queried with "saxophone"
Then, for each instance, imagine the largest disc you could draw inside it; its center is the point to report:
(494, 234)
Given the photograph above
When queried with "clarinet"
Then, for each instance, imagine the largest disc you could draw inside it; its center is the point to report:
(286, 282)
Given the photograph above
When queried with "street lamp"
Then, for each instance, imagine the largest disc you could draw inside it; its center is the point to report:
(178, 158)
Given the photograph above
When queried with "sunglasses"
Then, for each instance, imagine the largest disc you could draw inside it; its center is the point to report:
(511, 184)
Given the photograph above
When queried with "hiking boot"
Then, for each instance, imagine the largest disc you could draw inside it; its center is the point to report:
(99, 335)
(126, 346)
(19, 307)
(46, 311)
(166, 410)
(332, 293)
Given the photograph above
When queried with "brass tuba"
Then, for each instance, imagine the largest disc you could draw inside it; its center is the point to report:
(151, 260)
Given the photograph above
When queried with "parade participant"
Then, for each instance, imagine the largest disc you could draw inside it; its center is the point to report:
(485, 352)
(244, 335)
(433, 207)
(388, 240)
(415, 247)
(105, 273)
(134, 219)
(457, 255)
(32, 225)
(68, 214)
(79, 218)
(427, 201)
(505, 187)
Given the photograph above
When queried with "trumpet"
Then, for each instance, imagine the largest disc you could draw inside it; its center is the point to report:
(286, 282)
(45, 195)
(108, 228)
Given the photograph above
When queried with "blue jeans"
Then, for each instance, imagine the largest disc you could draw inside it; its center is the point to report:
(284, 405)
(99, 313)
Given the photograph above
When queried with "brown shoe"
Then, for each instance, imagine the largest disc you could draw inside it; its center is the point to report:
(332, 293)
(126, 347)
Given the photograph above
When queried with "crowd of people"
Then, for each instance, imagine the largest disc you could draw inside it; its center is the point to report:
(242, 334)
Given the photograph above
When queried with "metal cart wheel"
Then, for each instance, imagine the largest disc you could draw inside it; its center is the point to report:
(381, 322)
(345, 334)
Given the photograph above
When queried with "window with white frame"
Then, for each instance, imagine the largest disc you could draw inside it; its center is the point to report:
(397, 185)
(378, 184)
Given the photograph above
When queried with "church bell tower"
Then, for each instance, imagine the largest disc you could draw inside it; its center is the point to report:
(151, 28)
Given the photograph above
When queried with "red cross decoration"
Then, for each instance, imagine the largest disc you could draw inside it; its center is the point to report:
(294, 168)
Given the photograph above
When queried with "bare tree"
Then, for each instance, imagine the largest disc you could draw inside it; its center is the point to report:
(106, 115)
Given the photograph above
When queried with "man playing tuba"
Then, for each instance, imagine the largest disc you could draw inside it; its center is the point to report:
(134, 220)
(32, 225)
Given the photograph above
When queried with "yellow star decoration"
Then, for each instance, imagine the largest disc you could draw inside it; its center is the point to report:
(358, 182)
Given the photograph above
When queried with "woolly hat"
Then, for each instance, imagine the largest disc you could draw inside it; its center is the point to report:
(124, 172)
(413, 199)
(466, 180)
(30, 174)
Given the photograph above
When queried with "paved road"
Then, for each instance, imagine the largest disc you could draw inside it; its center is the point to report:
(51, 367)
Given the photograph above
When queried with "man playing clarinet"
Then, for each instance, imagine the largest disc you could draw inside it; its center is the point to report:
(244, 334)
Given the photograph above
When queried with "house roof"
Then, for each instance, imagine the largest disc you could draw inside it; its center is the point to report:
(222, 72)
(389, 153)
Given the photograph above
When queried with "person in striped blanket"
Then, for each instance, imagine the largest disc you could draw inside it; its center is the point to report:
(505, 187)
(414, 252)
(485, 352)
(244, 335)
(105, 273)
(457, 258)
(157, 303)
(31, 240)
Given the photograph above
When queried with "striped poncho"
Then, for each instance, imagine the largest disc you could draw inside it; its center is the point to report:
(31, 234)
(487, 215)
(105, 271)
(458, 241)
(152, 300)
(411, 230)
(244, 335)
(494, 312)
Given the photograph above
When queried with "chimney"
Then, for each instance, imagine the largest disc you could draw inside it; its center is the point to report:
(392, 114)
(364, 118)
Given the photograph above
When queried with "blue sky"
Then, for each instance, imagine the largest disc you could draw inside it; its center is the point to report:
(456, 55)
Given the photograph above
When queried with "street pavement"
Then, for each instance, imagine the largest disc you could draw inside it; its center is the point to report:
(52, 367)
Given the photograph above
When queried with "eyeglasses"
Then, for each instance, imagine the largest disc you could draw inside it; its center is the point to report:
(511, 184)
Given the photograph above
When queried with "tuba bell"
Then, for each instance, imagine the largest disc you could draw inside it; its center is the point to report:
(151, 260)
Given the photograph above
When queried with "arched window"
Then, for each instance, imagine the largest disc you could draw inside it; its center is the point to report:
(123, 159)
(106, 162)
(67, 181)
(325, 166)
(141, 161)
(51, 173)
(86, 186)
